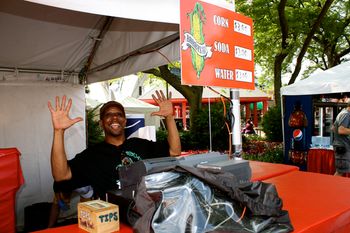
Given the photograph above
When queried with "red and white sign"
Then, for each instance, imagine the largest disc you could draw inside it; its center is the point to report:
(217, 47)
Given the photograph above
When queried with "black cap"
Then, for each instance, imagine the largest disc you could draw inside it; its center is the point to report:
(109, 104)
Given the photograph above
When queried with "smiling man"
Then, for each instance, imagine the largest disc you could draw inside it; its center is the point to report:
(97, 165)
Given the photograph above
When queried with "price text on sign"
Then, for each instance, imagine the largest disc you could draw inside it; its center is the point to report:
(216, 46)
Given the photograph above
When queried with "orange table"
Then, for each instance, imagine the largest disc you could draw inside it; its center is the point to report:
(11, 179)
(317, 203)
(263, 171)
(75, 228)
(321, 161)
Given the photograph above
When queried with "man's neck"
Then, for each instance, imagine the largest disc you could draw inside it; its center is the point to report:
(117, 141)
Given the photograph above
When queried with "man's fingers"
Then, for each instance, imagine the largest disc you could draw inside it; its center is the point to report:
(63, 104)
(155, 114)
(155, 99)
(57, 102)
(69, 105)
(77, 119)
(163, 96)
(50, 106)
(158, 95)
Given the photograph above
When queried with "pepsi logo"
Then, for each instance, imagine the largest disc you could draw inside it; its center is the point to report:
(297, 134)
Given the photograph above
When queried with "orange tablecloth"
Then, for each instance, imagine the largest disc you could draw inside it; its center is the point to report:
(11, 179)
(75, 228)
(321, 161)
(263, 171)
(315, 202)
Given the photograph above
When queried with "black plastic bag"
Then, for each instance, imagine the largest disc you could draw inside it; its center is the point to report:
(187, 199)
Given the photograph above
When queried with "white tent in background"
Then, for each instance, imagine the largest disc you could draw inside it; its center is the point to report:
(133, 106)
(333, 80)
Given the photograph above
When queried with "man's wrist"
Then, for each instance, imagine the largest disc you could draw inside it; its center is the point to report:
(58, 131)
(169, 117)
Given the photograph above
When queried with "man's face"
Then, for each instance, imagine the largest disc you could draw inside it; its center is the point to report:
(113, 122)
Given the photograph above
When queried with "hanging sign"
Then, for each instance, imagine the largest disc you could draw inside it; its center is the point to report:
(217, 47)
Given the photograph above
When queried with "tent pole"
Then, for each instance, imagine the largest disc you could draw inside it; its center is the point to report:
(236, 123)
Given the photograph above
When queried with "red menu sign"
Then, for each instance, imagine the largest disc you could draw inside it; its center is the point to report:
(217, 47)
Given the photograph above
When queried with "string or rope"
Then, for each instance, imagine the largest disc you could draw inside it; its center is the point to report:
(227, 124)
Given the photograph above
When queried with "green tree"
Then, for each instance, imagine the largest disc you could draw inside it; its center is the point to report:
(272, 124)
(286, 32)
(200, 139)
(331, 42)
(95, 133)
(193, 94)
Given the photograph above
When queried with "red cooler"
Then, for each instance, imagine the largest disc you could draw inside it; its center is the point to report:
(11, 179)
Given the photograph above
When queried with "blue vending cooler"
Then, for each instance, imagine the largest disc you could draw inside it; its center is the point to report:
(298, 120)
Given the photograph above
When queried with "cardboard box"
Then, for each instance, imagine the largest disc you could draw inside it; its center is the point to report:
(98, 216)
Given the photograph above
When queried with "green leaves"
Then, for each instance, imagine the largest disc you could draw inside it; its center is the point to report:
(288, 32)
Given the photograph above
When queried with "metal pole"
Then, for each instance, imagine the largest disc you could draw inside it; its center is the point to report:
(210, 139)
(236, 123)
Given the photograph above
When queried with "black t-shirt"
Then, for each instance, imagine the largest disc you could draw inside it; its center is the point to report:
(97, 165)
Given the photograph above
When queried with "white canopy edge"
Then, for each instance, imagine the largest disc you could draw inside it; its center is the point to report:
(333, 80)
(151, 10)
(167, 11)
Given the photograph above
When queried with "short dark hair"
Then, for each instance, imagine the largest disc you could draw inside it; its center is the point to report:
(110, 104)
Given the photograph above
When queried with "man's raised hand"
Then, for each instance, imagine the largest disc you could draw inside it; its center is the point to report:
(60, 114)
(165, 105)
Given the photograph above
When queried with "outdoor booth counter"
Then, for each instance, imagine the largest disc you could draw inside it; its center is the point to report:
(315, 202)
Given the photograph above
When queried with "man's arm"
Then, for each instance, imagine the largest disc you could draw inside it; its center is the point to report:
(173, 136)
(343, 130)
(60, 121)
(166, 110)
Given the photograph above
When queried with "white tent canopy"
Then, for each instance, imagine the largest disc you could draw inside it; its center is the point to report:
(108, 38)
(134, 106)
(333, 80)
(42, 39)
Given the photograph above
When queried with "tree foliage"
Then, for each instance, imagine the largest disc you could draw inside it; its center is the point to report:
(272, 124)
(95, 133)
(193, 94)
(287, 31)
(200, 139)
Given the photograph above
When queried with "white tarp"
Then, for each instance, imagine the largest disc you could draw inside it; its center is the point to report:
(25, 123)
(166, 11)
(134, 106)
(43, 39)
(131, 9)
(333, 80)
(58, 36)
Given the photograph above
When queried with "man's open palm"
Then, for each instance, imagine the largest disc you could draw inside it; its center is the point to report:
(60, 114)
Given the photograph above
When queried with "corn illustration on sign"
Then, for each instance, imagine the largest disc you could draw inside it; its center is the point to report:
(216, 46)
